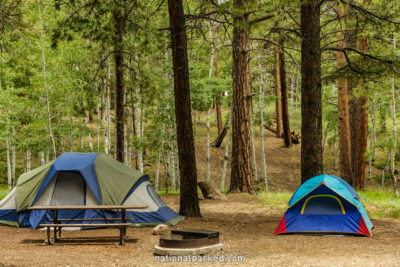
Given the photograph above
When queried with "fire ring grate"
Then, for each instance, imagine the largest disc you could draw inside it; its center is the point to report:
(188, 242)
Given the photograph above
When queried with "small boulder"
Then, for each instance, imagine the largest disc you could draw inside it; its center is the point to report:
(161, 229)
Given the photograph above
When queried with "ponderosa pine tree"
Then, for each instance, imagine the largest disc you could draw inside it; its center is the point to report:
(278, 102)
(189, 201)
(311, 95)
(241, 172)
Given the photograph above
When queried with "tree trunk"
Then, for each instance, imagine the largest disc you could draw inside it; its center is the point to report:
(138, 115)
(49, 128)
(263, 163)
(218, 111)
(253, 147)
(119, 81)
(98, 125)
(311, 105)
(189, 201)
(89, 135)
(210, 191)
(208, 146)
(241, 174)
(284, 98)
(371, 142)
(28, 160)
(41, 158)
(359, 136)
(278, 107)
(394, 131)
(344, 87)
(157, 176)
(13, 158)
(226, 154)
(9, 167)
(359, 131)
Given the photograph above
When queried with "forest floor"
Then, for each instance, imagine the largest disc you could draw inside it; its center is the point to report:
(246, 226)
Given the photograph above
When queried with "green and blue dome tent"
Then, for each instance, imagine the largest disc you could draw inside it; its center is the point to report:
(325, 204)
(84, 179)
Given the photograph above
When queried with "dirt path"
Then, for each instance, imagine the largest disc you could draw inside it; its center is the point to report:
(246, 229)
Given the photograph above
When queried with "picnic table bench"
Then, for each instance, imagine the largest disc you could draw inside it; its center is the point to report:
(58, 224)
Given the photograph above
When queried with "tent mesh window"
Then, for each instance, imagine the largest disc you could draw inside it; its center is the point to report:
(319, 204)
(154, 196)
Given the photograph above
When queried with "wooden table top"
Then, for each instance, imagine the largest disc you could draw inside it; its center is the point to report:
(95, 207)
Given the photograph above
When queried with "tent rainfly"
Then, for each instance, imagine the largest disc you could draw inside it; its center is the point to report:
(325, 204)
(84, 179)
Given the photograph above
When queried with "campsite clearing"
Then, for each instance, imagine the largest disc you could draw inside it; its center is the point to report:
(246, 227)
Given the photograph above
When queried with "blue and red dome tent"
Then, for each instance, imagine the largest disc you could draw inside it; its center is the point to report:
(325, 204)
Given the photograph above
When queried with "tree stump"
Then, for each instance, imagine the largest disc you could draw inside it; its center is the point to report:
(210, 191)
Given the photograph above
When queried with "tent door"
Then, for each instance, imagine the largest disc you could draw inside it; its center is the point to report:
(69, 189)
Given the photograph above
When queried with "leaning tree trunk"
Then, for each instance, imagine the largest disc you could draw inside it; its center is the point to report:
(189, 201)
(311, 105)
(226, 153)
(284, 99)
(119, 81)
(218, 112)
(241, 174)
(278, 107)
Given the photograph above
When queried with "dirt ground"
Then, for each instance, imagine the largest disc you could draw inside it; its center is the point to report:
(246, 229)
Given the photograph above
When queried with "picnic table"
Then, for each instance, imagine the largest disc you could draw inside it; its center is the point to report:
(58, 224)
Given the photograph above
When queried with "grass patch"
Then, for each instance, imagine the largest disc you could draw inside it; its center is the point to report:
(380, 204)
(377, 203)
(275, 199)
(3, 191)
(170, 192)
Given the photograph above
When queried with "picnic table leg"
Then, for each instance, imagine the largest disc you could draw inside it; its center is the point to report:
(123, 217)
(48, 236)
(55, 215)
(121, 235)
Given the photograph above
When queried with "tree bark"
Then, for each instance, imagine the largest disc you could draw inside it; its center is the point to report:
(263, 163)
(208, 146)
(278, 107)
(311, 105)
(210, 191)
(119, 81)
(359, 130)
(284, 99)
(344, 86)
(189, 201)
(218, 112)
(394, 130)
(241, 174)
(28, 160)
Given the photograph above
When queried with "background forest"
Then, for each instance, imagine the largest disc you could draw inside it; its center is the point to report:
(98, 76)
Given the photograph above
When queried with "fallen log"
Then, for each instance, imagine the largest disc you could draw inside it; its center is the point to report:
(210, 191)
